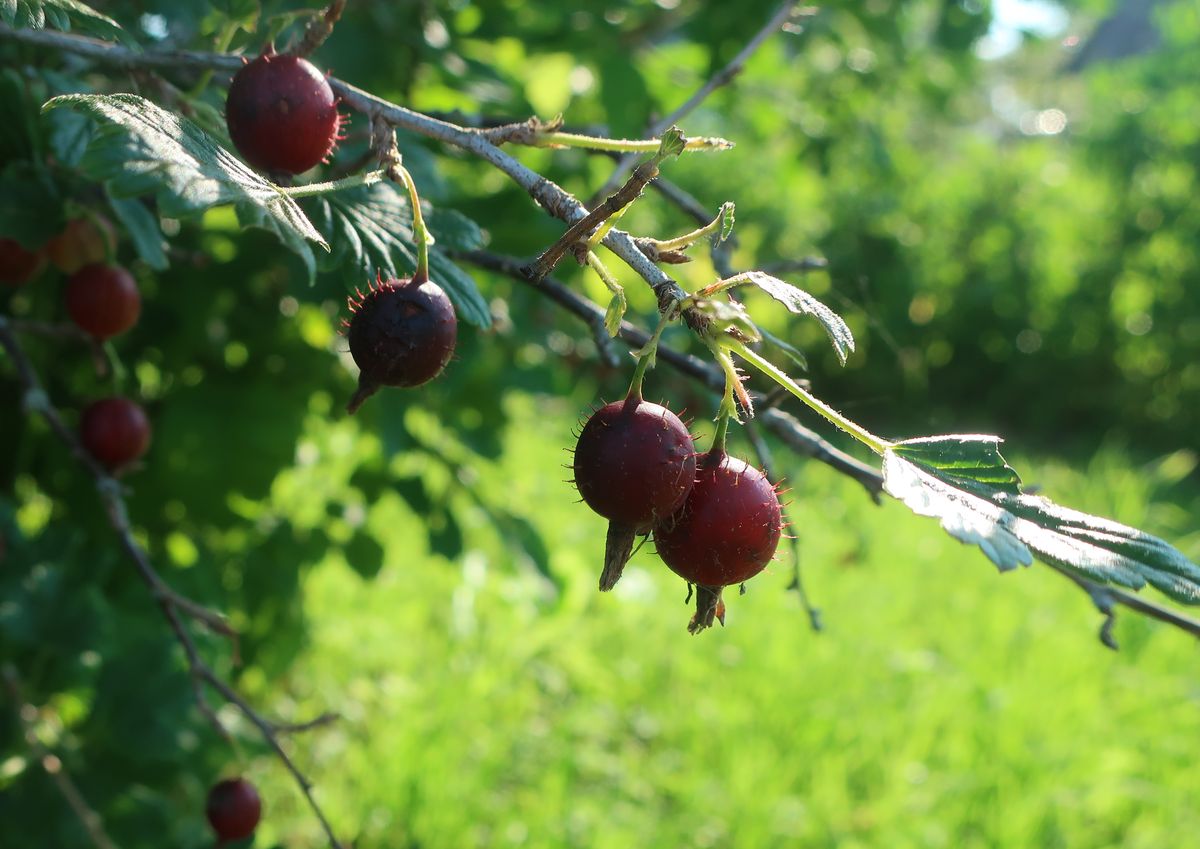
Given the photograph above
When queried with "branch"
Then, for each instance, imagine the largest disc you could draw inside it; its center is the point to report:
(173, 606)
(319, 29)
(27, 714)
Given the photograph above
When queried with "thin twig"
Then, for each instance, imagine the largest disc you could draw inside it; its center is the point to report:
(172, 605)
(584, 227)
(27, 714)
(319, 29)
(763, 452)
(1105, 597)
(720, 78)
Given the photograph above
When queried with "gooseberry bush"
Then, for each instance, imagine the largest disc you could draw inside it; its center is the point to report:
(128, 164)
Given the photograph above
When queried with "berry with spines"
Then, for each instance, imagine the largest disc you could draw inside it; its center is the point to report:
(17, 264)
(282, 114)
(402, 332)
(725, 533)
(233, 809)
(635, 463)
(115, 432)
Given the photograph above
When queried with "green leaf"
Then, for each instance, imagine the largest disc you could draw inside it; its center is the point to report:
(371, 230)
(726, 214)
(144, 230)
(63, 15)
(801, 303)
(141, 149)
(454, 231)
(965, 482)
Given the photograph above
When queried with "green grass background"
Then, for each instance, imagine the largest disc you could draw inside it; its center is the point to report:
(944, 705)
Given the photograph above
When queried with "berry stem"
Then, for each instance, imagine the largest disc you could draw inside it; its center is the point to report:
(646, 354)
(875, 443)
(618, 305)
(561, 139)
(717, 225)
(420, 234)
(366, 178)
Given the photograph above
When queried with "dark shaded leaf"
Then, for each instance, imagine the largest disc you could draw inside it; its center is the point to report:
(371, 230)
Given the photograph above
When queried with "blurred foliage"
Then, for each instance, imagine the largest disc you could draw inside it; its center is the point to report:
(1015, 249)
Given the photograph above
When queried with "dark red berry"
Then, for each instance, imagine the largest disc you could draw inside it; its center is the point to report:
(635, 463)
(103, 300)
(282, 114)
(115, 431)
(725, 533)
(17, 265)
(401, 333)
(233, 809)
(83, 241)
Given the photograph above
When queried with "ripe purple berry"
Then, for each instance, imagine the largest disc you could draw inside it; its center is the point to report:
(282, 114)
(233, 809)
(401, 333)
(635, 463)
(115, 431)
(103, 300)
(725, 533)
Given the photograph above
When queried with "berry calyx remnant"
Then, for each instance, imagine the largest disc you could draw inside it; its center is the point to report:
(635, 463)
(115, 431)
(401, 332)
(103, 300)
(233, 809)
(84, 241)
(17, 265)
(282, 114)
(725, 533)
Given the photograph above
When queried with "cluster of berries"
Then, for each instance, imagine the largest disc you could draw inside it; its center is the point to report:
(716, 520)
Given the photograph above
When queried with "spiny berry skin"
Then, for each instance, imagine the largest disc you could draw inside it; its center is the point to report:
(17, 265)
(402, 333)
(233, 809)
(84, 241)
(282, 114)
(635, 463)
(725, 533)
(115, 431)
(103, 300)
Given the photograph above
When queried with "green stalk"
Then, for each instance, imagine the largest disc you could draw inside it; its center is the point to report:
(560, 139)
(646, 355)
(420, 234)
(365, 178)
(690, 238)
(875, 443)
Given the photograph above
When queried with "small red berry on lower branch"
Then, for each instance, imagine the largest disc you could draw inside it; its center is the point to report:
(401, 333)
(115, 431)
(282, 114)
(103, 300)
(233, 809)
(17, 265)
(725, 533)
(635, 463)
